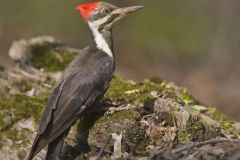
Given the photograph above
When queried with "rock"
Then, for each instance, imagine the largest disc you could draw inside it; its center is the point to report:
(19, 50)
(153, 119)
(45, 53)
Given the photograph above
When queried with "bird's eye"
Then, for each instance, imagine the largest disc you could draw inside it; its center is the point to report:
(106, 10)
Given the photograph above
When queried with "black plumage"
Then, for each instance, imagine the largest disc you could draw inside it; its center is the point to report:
(83, 83)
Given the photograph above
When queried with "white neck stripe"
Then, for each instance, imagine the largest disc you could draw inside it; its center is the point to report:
(99, 40)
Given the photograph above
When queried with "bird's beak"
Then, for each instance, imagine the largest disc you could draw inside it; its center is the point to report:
(122, 12)
(119, 13)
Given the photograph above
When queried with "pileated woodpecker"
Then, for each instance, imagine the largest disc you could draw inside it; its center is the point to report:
(84, 81)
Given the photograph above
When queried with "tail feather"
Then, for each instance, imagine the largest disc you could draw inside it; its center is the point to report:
(33, 149)
(38, 144)
(55, 148)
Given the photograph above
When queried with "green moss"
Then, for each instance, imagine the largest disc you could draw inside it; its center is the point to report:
(226, 122)
(7, 89)
(14, 109)
(121, 90)
(50, 58)
(118, 88)
(183, 136)
(19, 138)
(187, 99)
(107, 123)
(200, 108)
(23, 86)
(215, 114)
(156, 80)
(118, 117)
(137, 136)
(5, 113)
(22, 155)
(139, 93)
(196, 130)
(26, 107)
(18, 107)
(229, 127)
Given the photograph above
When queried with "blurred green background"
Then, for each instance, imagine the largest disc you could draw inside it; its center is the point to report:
(192, 43)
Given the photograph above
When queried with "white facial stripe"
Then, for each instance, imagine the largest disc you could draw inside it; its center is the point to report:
(100, 41)
(101, 21)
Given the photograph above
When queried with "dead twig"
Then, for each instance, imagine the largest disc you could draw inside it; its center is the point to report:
(99, 155)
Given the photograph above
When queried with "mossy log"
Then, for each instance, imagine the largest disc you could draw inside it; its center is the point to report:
(146, 120)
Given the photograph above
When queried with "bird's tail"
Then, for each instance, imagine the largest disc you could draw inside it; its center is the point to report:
(55, 148)
(33, 149)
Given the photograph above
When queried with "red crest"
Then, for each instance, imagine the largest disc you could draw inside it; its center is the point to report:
(87, 9)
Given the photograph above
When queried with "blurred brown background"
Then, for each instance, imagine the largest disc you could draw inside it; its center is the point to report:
(192, 43)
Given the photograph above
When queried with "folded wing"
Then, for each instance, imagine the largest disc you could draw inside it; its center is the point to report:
(69, 98)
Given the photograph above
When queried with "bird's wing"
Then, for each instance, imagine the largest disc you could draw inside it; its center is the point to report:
(69, 98)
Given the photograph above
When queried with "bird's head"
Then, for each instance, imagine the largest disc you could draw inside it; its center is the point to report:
(102, 15)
